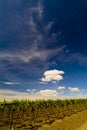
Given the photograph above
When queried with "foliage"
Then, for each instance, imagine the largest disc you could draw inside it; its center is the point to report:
(39, 111)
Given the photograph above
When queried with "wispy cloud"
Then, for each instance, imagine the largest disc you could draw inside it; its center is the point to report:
(8, 83)
(80, 58)
(9, 92)
(42, 82)
(11, 83)
(48, 26)
(34, 38)
(37, 9)
(27, 55)
(76, 57)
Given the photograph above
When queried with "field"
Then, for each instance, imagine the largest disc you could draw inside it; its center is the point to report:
(39, 114)
(74, 122)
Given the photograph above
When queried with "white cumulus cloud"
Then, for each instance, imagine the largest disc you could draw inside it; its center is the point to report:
(48, 93)
(61, 88)
(52, 75)
(74, 89)
(31, 94)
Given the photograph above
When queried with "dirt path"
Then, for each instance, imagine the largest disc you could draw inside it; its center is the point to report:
(83, 127)
(74, 122)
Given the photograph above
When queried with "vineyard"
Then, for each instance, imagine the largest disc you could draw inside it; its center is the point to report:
(30, 115)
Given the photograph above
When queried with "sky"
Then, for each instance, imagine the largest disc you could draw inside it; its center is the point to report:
(43, 49)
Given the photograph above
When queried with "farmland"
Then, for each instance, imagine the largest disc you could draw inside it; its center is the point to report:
(31, 115)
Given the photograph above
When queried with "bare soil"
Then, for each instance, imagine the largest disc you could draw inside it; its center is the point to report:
(74, 122)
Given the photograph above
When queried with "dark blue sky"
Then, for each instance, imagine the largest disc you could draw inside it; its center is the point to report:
(43, 48)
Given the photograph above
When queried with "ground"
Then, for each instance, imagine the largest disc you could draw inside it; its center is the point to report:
(74, 122)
